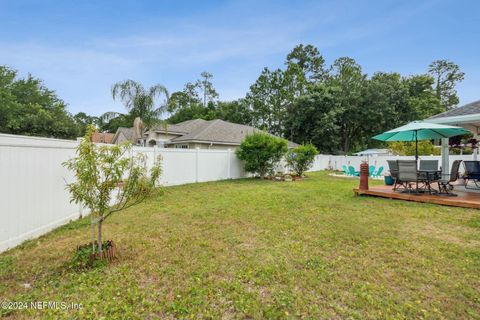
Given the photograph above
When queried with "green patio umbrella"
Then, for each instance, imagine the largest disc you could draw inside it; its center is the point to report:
(420, 130)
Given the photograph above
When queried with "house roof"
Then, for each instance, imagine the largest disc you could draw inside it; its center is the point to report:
(470, 108)
(128, 133)
(182, 127)
(219, 131)
(102, 137)
(467, 116)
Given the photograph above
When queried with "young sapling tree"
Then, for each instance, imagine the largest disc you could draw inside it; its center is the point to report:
(108, 178)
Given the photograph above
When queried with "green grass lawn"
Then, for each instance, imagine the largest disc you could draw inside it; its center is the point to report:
(260, 249)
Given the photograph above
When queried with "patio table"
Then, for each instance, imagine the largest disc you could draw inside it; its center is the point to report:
(429, 176)
(426, 177)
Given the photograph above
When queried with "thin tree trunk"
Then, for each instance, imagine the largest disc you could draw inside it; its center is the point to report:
(93, 236)
(100, 236)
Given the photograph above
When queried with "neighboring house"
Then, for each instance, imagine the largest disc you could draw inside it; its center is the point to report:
(102, 137)
(198, 133)
(126, 134)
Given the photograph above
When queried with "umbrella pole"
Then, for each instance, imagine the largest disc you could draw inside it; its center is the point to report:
(416, 146)
(416, 154)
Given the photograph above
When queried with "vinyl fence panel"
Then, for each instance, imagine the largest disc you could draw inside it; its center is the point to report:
(34, 199)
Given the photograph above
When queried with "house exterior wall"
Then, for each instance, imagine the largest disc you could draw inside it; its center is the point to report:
(161, 136)
(158, 136)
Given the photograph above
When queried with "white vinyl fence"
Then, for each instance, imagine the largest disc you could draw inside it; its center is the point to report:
(329, 162)
(32, 179)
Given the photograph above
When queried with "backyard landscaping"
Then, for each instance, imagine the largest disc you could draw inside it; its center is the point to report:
(256, 248)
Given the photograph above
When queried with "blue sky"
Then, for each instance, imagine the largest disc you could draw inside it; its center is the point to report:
(80, 48)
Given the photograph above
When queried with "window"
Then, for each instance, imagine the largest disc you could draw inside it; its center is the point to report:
(181, 146)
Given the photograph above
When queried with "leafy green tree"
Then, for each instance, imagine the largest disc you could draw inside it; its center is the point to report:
(196, 101)
(347, 76)
(141, 102)
(310, 61)
(100, 170)
(112, 123)
(446, 75)
(236, 111)
(179, 100)
(313, 118)
(27, 107)
(422, 102)
(385, 106)
(196, 111)
(268, 100)
(301, 158)
(83, 120)
(261, 152)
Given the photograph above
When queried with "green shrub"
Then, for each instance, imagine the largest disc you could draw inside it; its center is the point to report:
(301, 158)
(407, 148)
(261, 152)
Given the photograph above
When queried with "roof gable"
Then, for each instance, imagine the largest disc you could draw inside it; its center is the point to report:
(128, 133)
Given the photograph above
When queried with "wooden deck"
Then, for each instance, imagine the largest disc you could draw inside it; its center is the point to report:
(463, 199)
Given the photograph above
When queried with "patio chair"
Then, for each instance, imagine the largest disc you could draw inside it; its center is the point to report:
(345, 170)
(378, 173)
(371, 170)
(428, 165)
(408, 173)
(445, 184)
(352, 171)
(393, 167)
(472, 173)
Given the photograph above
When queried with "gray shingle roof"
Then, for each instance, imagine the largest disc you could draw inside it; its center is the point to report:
(182, 127)
(127, 132)
(471, 108)
(221, 132)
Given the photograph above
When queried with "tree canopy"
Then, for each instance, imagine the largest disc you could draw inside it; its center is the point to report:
(446, 75)
(27, 107)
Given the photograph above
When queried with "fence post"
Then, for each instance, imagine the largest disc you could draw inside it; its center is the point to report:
(229, 160)
(445, 155)
(196, 163)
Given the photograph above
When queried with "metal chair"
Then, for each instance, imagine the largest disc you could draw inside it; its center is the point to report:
(472, 173)
(408, 174)
(393, 168)
(429, 173)
(445, 185)
(429, 165)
